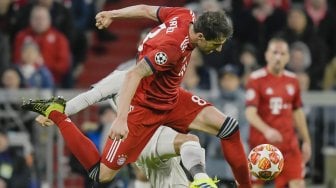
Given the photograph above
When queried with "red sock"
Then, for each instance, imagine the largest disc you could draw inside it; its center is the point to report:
(83, 149)
(235, 155)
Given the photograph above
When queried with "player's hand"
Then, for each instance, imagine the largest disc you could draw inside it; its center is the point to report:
(306, 152)
(103, 19)
(119, 130)
(273, 135)
(44, 121)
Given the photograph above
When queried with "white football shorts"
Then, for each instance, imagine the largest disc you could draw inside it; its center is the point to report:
(163, 173)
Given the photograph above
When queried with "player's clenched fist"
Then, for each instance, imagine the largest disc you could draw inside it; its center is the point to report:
(103, 19)
(119, 130)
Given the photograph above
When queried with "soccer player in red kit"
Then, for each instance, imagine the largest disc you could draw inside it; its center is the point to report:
(151, 94)
(274, 110)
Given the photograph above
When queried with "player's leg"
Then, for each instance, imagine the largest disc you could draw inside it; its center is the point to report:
(211, 120)
(118, 153)
(157, 160)
(102, 90)
(293, 170)
(192, 155)
(165, 145)
(107, 88)
(170, 144)
(192, 112)
(82, 147)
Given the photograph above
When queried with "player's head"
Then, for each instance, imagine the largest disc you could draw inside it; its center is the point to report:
(277, 55)
(212, 29)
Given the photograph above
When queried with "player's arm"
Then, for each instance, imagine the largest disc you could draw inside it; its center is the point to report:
(132, 79)
(104, 18)
(301, 125)
(256, 121)
(130, 84)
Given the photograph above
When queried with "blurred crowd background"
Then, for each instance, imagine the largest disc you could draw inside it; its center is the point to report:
(53, 46)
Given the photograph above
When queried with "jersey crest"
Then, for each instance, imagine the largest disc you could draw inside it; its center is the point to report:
(290, 89)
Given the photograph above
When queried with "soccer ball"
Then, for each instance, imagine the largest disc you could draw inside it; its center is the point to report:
(265, 162)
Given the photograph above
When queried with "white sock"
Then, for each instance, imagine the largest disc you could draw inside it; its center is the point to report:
(165, 143)
(192, 154)
(200, 176)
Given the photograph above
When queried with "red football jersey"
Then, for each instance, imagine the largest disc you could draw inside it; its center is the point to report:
(275, 98)
(167, 50)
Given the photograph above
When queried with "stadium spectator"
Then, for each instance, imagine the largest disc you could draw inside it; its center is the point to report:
(258, 24)
(299, 62)
(12, 79)
(53, 45)
(323, 21)
(14, 171)
(282, 4)
(35, 73)
(299, 30)
(8, 11)
(4, 51)
(274, 110)
(248, 61)
(62, 19)
(60, 16)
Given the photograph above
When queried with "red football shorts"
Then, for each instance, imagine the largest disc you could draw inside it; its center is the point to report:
(143, 122)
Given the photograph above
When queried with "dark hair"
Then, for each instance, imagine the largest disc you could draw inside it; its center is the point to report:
(214, 25)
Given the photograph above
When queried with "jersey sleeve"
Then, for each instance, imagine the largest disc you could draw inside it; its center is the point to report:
(297, 101)
(164, 57)
(166, 13)
(252, 93)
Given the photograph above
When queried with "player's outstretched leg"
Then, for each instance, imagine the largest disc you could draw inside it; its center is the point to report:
(83, 148)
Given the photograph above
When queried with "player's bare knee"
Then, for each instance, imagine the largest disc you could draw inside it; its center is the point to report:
(229, 127)
(190, 137)
(180, 139)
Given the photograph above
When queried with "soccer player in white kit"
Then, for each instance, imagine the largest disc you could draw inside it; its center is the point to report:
(159, 160)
